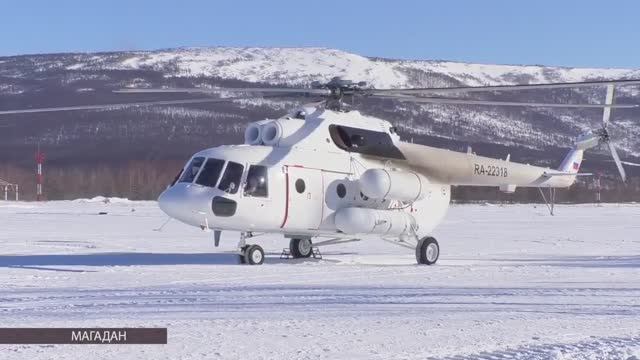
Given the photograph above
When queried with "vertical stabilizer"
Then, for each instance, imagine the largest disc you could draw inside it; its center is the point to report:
(572, 161)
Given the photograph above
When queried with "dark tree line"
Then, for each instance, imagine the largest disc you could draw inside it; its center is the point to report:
(145, 179)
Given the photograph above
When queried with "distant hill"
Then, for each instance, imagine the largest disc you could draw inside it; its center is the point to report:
(113, 152)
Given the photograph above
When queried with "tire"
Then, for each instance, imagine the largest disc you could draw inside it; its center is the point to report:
(301, 248)
(427, 251)
(254, 255)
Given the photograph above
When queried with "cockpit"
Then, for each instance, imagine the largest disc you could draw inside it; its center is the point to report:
(210, 184)
(226, 176)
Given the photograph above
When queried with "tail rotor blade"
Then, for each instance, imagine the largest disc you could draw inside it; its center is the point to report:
(616, 158)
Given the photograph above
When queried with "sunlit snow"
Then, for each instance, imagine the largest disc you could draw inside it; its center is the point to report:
(512, 282)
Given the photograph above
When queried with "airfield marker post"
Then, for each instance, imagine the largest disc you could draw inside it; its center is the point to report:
(39, 161)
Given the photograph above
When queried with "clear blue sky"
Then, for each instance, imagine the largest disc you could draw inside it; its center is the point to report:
(561, 32)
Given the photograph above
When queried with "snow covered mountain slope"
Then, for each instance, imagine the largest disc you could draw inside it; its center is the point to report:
(84, 76)
(299, 66)
(175, 132)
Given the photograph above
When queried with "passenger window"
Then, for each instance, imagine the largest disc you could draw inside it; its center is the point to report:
(230, 181)
(300, 186)
(192, 169)
(257, 183)
(211, 172)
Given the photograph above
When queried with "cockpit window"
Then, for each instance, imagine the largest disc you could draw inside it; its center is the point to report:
(230, 181)
(257, 183)
(211, 172)
(175, 179)
(192, 169)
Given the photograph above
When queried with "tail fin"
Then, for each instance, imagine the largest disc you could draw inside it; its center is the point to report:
(572, 162)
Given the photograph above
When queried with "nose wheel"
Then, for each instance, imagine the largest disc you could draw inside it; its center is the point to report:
(252, 255)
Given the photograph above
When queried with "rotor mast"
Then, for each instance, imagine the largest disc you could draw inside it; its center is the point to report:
(339, 89)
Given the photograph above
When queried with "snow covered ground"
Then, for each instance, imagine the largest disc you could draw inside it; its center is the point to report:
(512, 283)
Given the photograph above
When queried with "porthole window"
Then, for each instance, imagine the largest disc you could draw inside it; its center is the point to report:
(341, 190)
(300, 186)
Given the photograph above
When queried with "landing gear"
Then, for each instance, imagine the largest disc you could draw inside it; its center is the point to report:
(252, 255)
(427, 251)
(301, 248)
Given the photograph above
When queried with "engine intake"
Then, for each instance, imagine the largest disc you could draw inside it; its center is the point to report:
(279, 132)
(253, 133)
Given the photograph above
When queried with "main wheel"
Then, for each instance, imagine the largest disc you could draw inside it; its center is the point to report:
(300, 248)
(254, 255)
(427, 251)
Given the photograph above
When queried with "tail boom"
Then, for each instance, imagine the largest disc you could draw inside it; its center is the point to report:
(456, 168)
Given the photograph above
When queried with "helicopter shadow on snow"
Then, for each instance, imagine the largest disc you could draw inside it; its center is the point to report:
(57, 262)
(45, 262)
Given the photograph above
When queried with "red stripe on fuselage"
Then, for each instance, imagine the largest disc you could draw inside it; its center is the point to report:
(286, 204)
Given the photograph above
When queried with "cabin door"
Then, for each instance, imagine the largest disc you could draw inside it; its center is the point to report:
(304, 198)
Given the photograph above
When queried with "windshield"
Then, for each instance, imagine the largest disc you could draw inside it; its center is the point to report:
(192, 169)
(175, 179)
(230, 181)
(211, 172)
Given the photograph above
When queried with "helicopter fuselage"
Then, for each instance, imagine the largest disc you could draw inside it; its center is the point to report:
(306, 178)
(303, 192)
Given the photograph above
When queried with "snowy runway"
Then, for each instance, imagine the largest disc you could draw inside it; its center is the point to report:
(512, 282)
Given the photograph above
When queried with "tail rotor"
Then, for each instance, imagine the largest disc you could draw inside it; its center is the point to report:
(604, 135)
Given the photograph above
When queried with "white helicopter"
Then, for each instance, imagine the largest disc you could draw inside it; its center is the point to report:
(326, 171)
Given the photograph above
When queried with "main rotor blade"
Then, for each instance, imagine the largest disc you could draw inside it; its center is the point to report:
(606, 114)
(433, 100)
(468, 89)
(223, 90)
(616, 158)
(117, 106)
(626, 163)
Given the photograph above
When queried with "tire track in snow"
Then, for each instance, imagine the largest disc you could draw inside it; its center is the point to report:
(319, 298)
(597, 348)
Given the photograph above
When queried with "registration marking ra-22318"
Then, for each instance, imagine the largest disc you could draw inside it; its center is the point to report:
(489, 170)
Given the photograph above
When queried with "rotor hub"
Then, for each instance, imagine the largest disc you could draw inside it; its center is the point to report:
(603, 135)
(339, 89)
